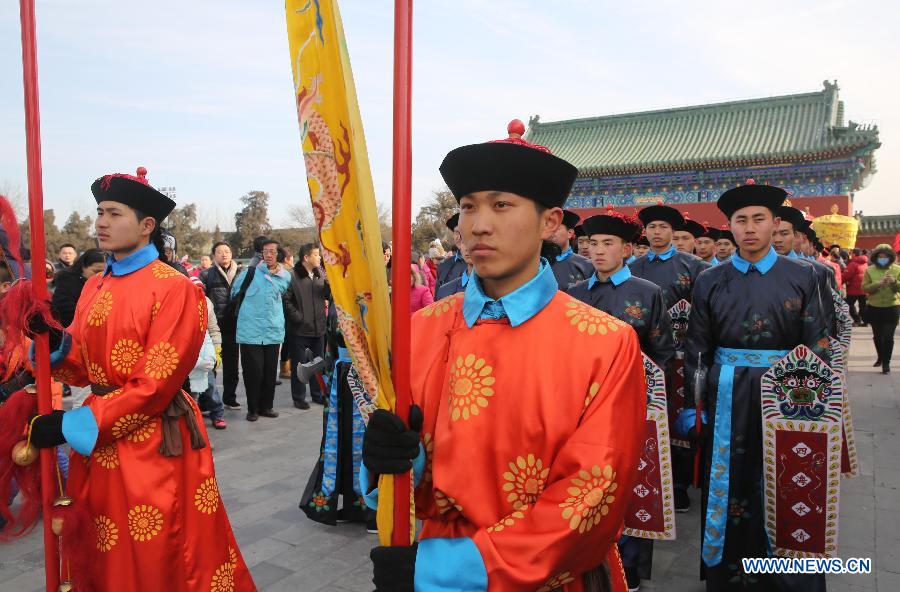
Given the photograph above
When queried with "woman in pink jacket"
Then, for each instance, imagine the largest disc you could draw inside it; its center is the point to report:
(419, 294)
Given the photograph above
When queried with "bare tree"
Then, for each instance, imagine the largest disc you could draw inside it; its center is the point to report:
(301, 216)
(16, 197)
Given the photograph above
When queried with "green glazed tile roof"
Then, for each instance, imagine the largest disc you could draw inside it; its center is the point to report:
(791, 128)
(879, 224)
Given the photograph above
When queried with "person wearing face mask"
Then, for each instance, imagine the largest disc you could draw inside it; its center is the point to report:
(882, 284)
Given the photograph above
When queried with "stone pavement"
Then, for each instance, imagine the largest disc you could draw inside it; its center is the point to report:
(263, 467)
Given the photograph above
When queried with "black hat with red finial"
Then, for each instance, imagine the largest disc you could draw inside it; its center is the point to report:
(661, 213)
(751, 194)
(613, 223)
(511, 165)
(133, 191)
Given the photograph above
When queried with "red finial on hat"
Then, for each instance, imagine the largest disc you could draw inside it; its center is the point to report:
(659, 202)
(609, 207)
(724, 227)
(515, 129)
(686, 216)
(750, 182)
(142, 175)
(705, 223)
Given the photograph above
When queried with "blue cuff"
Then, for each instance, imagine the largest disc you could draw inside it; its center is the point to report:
(79, 428)
(371, 498)
(56, 357)
(450, 564)
(687, 421)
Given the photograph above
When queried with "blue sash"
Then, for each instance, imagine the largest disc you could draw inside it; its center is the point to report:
(720, 468)
(330, 451)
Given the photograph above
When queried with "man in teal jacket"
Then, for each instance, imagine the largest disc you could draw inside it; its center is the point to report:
(260, 328)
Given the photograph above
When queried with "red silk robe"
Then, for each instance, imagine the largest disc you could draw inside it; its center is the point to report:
(531, 436)
(160, 521)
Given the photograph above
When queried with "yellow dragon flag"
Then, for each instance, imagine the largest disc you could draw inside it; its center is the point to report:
(343, 201)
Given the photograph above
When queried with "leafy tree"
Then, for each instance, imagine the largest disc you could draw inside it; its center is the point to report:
(51, 234)
(79, 231)
(431, 222)
(251, 221)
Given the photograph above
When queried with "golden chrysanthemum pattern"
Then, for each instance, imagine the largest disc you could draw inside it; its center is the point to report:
(440, 307)
(557, 581)
(63, 375)
(97, 374)
(125, 354)
(135, 427)
(107, 533)
(206, 498)
(100, 309)
(144, 522)
(588, 319)
(223, 579)
(590, 494)
(162, 360)
(106, 456)
(162, 271)
(525, 481)
(445, 503)
(506, 521)
(471, 385)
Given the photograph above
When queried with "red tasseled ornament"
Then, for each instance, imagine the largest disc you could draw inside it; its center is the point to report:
(9, 224)
(19, 305)
(14, 415)
(750, 182)
(78, 545)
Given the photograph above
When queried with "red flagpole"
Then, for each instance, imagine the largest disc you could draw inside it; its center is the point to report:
(38, 273)
(400, 281)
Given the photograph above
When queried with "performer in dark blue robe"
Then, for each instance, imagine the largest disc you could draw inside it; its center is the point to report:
(664, 265)
(569, 267)
(785, 238)
(675, 272)
(333, 492)
(746, 314)
(725, 245)
(451, 268)
(458, 284)
(639, 303)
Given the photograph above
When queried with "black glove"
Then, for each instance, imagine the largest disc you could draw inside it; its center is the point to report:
(38, 326)
(395, 568)
(46, 430)
(388, 446)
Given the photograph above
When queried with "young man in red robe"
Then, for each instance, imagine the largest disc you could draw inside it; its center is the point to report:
(528, 404)
(140, 460)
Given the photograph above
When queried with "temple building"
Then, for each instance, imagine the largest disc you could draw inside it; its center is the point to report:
(686, 157)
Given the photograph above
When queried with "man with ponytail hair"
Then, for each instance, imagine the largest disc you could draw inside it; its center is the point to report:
(144, 469)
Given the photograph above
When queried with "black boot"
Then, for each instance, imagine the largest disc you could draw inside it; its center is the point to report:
(877, 363)
(886, 368)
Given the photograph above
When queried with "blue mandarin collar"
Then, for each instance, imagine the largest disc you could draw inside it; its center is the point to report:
(664, 256)
(464, 279)
(456, 257)
(137, 260)
(565, 254)
(630, 260)
(763, 265)
(518, 306)
(793, 254)
(617, 278)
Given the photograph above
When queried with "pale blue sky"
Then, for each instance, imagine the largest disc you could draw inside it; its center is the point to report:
(200, 92)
